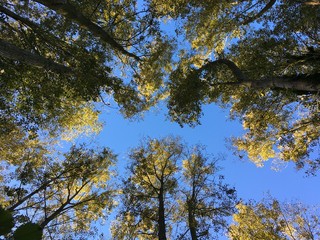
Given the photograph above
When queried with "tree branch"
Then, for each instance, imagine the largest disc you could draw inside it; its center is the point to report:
(48, 37)
(304, 83)
(8, 50)
(62, 208)
(71, 12)
(231, 65)
(259, 14)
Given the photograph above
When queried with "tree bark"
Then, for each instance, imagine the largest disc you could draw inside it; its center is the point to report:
(301, 83)
(8, 50)
(192, 221)
(161, 217)
(69, 11)
(259, 14)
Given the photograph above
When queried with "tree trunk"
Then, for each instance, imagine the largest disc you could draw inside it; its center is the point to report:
(8, 50)
(259, 14)
(45, 36)
(300, 83)
(192, 221)
(161, 216)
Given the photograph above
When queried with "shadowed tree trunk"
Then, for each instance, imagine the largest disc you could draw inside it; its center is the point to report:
(303, 83)
(191, 220)
(8, 50)
(161, 219)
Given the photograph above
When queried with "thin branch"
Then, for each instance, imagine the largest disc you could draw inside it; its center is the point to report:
(71, 12)
(259, 14)
(36, 29)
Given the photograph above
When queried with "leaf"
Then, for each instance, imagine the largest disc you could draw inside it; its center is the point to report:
(6, 221)
(28, 231)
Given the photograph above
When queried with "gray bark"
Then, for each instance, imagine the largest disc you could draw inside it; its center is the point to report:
(302, 83)
(10, 51)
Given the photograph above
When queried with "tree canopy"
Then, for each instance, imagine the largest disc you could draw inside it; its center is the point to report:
(62, 196)
(172, 192)
(270, 219)
(62, 62)
(57, 57)
(263, 65)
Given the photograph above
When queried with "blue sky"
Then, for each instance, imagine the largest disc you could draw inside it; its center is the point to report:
(251, 182)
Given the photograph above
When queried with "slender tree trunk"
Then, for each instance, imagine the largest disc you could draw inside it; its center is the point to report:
(161, 217)
(259, 14)
(48, 37)
(192, 221)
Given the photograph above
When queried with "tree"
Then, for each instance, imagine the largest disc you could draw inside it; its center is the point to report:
(62, 196)
(266, 71)
(57, 57)
(172, 191)
(205, 201)
(270, 219)
(147, 194)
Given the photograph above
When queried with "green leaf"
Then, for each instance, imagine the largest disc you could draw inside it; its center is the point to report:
(28, 231)
(6, 221)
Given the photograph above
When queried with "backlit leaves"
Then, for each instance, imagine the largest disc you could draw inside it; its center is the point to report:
(270, 219)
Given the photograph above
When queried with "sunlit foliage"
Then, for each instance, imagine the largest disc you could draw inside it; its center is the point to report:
(268, 76)
(205, 201)
(147, 194)
(172, 192)
(271, 219)
(63, 195)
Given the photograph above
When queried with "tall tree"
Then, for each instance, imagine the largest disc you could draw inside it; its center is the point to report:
(56, 56)
(146, 199)
(205, 201)
(270, 219)
(172, 192)
(64, 196)
(264, 65)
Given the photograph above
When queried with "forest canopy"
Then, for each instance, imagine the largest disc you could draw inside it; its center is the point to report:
(260, 59)
(63, 62)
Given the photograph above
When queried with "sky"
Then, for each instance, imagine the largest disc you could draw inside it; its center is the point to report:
(251, 182)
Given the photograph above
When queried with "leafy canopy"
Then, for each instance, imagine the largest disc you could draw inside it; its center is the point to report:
(62, 196)
(270, 219)
(261, 60)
